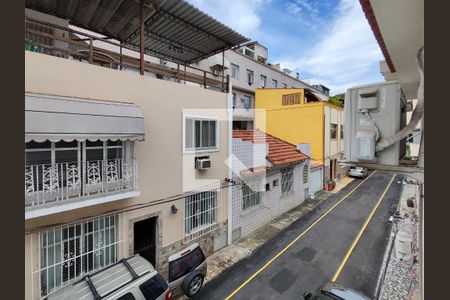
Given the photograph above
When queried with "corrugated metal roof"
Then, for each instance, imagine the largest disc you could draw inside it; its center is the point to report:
(174, 29)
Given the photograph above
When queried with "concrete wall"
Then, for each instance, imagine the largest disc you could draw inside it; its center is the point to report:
(162, 165)
(272, 204)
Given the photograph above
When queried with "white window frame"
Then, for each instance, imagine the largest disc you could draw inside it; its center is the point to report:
(289, 182)
(274, 83)
(250, 75)
(234, 71)
(263, 80)
(210, 215)
(201, 118)
(254, 197)
(333, 129)
(101, 244)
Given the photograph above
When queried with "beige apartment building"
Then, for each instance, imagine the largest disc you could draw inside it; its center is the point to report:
(112, 152)
(249, 69)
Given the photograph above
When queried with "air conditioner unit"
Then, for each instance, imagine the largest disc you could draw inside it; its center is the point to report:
(203, 164)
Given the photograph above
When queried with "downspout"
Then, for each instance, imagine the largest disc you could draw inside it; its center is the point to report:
(230, 153)
(417, 113)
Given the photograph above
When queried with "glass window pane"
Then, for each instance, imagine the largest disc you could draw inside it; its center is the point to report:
(38, 158)
(114, 143)
(66, 156)
(94, 154)
(36, 145)
(197, 134)
(212, 133)
(189, 134)
(205, 134)
(114, 153)
(63, 144)
(97, 143)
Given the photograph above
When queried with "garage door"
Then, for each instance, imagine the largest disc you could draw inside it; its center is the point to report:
(315, 183)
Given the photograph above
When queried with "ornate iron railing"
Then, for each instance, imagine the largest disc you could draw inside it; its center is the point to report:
(47, 184)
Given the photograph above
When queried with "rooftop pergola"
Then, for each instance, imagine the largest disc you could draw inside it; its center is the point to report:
(171, 30)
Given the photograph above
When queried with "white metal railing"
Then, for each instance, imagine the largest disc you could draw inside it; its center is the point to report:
(47, 183)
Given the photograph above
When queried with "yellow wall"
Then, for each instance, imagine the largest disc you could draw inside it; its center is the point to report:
(298, 123)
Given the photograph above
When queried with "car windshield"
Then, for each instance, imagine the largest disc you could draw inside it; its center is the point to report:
(185, 264)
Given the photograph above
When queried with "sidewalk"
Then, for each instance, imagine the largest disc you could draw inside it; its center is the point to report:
(228, 256)
(400, 277)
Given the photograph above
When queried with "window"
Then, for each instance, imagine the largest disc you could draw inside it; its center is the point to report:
(250, 76)
(267, 187)
(342, 131)
(200, 133)
(234, 100)
(274, 84)
(154, 287)
(290, 99)
(127, 296)
(250, 195)
(305, 173)
(31, 37)
(287, 178)
(263, 81)
(276, 183)
(247, 100)
(69, 252)
(333, 130)
(410, 138)
(200, 210)
(234, 71)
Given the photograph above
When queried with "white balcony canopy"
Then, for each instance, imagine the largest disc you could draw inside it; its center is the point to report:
(56, 118)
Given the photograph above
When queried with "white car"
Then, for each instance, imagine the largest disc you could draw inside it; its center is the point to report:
(357, 172)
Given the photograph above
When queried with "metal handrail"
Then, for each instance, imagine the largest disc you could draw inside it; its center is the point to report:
(206, 79)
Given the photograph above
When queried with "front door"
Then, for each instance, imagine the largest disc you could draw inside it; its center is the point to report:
(145, 239)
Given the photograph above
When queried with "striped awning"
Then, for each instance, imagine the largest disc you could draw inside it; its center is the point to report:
(56, 118)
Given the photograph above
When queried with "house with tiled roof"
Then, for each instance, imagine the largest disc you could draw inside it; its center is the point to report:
(270, 176)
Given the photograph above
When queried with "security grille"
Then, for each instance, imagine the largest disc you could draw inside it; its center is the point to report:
(251, 195)
(201, 211)
(287, 178)
(69, 252)
(305, 174)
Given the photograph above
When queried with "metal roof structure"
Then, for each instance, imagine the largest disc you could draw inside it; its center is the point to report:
(174, 29)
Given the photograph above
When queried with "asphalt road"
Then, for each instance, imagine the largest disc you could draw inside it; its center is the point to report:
(314, 258)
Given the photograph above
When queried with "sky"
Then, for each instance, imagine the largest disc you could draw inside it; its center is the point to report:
(327, 42)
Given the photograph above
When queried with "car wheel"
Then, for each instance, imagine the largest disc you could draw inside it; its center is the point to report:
(192, 283)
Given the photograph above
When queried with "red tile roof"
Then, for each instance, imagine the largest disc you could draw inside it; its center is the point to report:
(280, 151)
(315, 165)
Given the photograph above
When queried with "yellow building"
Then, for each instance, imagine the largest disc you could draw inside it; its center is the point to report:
(300, 117)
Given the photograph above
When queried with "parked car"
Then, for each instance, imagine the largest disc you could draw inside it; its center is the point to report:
(187, 271)
(356, 171)
(333, 291)
(133, 278)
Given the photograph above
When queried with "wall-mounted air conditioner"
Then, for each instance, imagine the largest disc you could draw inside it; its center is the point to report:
(203, 164)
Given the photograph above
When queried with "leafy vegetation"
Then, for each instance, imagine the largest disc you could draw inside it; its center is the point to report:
(335, 100)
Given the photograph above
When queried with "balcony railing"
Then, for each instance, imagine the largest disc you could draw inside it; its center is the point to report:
(73, 44)
(47, 184)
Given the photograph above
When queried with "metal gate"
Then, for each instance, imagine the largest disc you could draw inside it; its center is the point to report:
(315, 183)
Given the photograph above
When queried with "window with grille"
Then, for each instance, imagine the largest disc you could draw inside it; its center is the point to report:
(200, 211)
(333, 131)
(251, 195)
(200, 133)
(247, 100)
(305, 174)
(287, 179)
(69, 252)
(342, 131)
(234, 71)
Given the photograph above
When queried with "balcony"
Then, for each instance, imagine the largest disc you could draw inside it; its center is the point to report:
(68, 43)
(63, 186)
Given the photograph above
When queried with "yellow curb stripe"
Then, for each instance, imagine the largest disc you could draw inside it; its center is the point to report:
(352, 247)
(296, 239)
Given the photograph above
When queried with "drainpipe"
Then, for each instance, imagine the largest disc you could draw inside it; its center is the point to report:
(230, 153)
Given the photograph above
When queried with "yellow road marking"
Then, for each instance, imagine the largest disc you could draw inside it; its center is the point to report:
(352, 247)
(296, 239)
